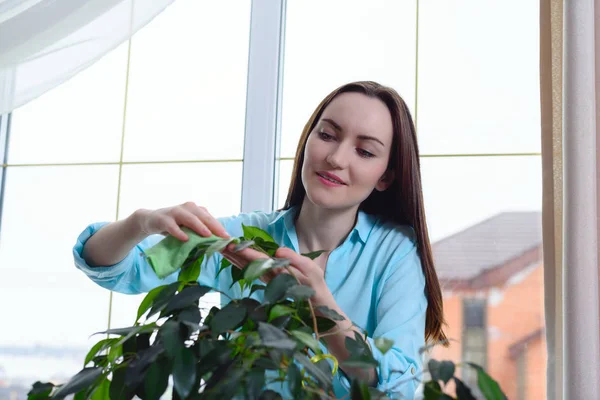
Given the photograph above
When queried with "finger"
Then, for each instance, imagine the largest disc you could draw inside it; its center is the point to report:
(191, 221)
(211, 222)
(175, 230)
(297, 260)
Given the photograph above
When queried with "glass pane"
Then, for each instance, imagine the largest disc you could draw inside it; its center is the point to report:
(187, 83)
(478, 89)
(216, 186)
(78, 121)
(347, 41)
(49, 308)
(484, 215)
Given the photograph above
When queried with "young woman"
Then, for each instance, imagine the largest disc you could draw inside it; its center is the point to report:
(356, 193)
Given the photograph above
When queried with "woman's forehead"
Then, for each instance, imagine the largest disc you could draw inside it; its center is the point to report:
(359, 114)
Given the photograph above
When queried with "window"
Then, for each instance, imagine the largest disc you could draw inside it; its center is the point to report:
(474, 340)
(111, 140)
(476, 110)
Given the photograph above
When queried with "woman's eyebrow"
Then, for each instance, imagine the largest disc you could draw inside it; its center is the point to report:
(332, 123)
(361, 137)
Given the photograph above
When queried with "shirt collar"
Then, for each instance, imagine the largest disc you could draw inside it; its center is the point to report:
(364, 222)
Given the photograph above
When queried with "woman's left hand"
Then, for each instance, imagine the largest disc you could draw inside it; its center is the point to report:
(308, 272)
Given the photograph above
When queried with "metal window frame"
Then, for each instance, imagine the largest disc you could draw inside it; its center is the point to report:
(263, 104)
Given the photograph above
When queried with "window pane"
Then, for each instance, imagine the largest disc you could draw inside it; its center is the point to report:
(78, 121)
(216, 186)
(484, 215)
(187, 83)
(478, 88)
(50, 309)
(474, 316)
(347, 41)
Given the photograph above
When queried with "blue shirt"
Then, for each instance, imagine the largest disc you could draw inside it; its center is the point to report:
(375, 276)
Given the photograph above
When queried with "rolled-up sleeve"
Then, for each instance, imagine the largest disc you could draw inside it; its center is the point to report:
(401, 311)
(132, 275)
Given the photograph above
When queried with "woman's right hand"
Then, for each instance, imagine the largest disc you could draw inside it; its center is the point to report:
(169, 220)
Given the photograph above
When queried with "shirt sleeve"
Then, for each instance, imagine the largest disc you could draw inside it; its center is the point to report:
(132, 275)
(401, 312)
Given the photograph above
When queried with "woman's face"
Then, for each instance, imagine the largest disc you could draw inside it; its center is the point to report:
(347, 153)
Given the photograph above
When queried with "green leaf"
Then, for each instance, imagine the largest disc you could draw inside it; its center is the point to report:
(323, 378)
(324, 324)
(278, 286)
(121, 331)
(256, 287)
(219, 245)
(432, 390)
(359, 391)
(225, 263)
(259, 314)
(118, 390)
(307, 340)
(280, 310)
(134, 373)
(274, 337)
(300, 292)
(244, 244)
(115, 352)
(463, 392)
(365, 361)
(434, 369)
(329, 313)
(156, 380)
(255, 381)
(191, 273)
(446, 371)
(252, 232)
(268, 247)
(313, 254)
(228, 318)
(98, 347)
(488, 386)
(187, 297)
(148, 301)
(236, 275)
(81, 380)
(294, 378)
(40, 391)
(171, 337)
(102, 391)
(257, 268)
(190, 317)
(384, 344)
(358, 346)
(163, 298)
(184, 372)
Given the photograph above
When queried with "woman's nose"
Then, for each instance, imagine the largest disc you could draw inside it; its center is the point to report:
(336, 158)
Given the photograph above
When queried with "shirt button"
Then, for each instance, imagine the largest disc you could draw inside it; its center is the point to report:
(412, 370)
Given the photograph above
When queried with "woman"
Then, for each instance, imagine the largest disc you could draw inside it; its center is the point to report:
(356, 193)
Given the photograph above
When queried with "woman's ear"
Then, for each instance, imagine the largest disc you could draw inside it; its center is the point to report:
(385, 181)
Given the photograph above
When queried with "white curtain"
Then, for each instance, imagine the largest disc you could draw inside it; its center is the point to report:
(45, 42)
(581, 150)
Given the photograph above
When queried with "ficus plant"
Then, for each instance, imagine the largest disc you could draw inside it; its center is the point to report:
(176, 349)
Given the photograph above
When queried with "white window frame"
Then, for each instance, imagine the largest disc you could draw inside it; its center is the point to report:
(263, 104)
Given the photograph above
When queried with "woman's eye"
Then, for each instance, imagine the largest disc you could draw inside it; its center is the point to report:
(364, 153)
(325, 136)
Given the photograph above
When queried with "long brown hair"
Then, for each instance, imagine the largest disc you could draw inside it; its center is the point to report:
(402, 201)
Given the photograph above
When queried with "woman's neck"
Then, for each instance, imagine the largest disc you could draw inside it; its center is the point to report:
(322, 229)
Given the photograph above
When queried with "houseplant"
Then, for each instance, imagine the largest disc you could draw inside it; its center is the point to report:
(245, 348)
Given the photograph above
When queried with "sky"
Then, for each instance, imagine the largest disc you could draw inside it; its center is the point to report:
(474, 89)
